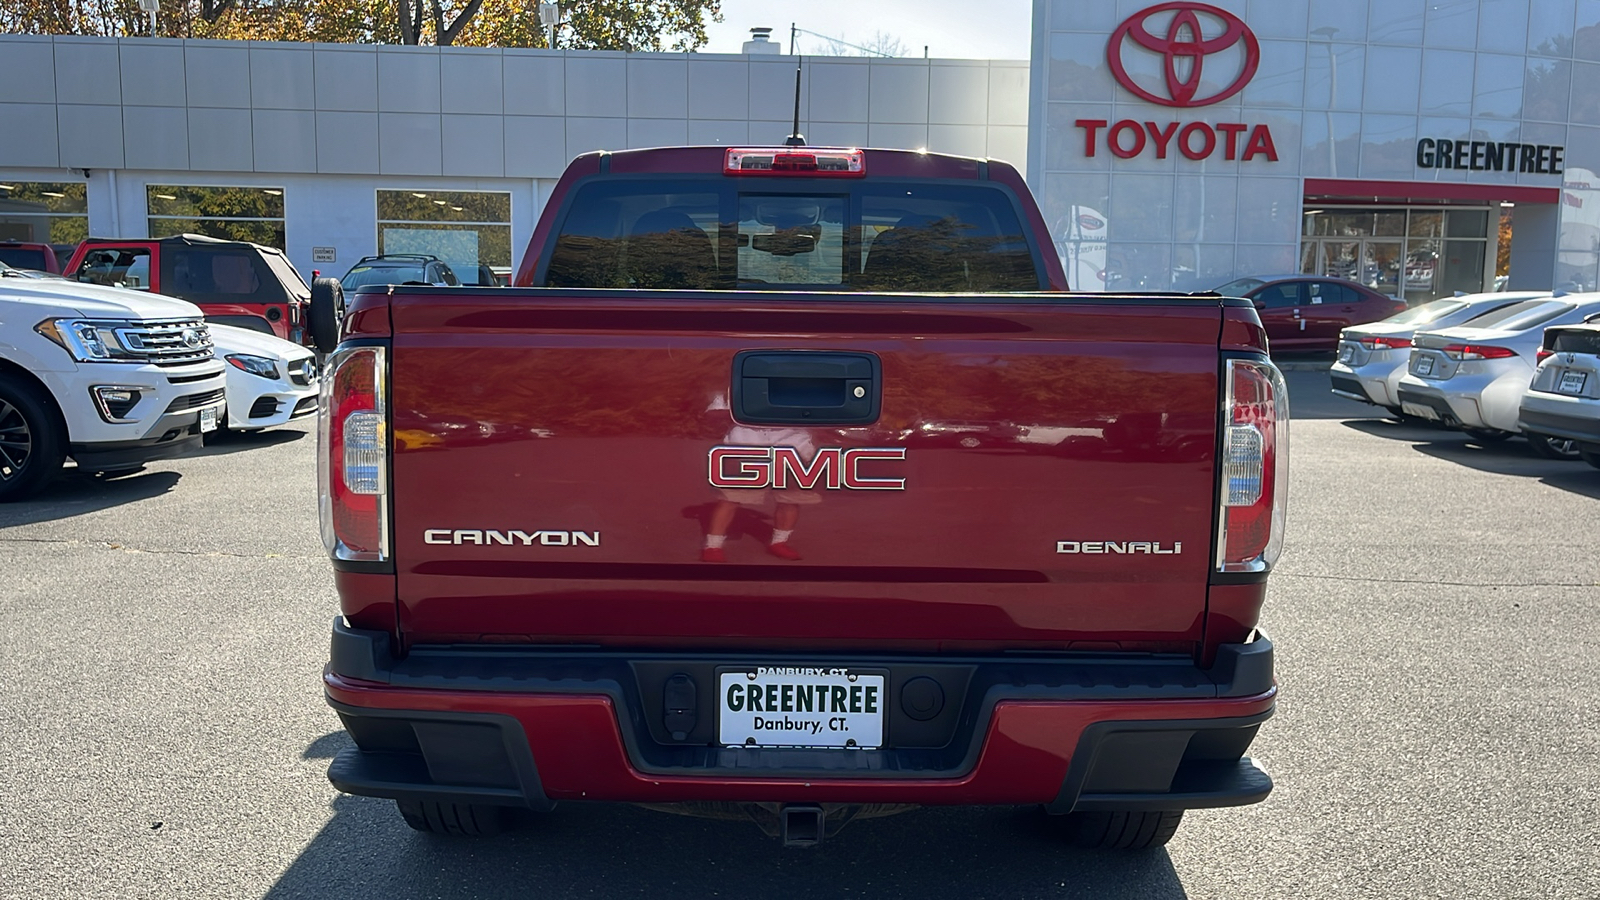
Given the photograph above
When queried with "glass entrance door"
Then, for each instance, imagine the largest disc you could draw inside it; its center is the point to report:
(1374, 263)
(1417, 254)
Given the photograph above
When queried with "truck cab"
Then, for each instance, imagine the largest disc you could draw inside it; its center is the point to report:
(233, 282)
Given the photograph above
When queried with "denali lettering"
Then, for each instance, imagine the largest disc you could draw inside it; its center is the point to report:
(490, 537)
(782, 467)
(1195, 140)
(1118, 547)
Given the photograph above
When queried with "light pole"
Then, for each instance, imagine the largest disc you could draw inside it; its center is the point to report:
(550, 18)
(1328, 31)
(151, 7)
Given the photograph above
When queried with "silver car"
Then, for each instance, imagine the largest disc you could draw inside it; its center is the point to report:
(1562, 405)
(1473, 376)
(1372, 357)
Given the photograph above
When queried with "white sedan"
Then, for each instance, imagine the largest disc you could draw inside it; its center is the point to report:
(1473, 376)
(270, 381)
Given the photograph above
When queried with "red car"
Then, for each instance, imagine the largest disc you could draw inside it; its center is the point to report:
(707, 512)
(1307, 312)
(23, 255)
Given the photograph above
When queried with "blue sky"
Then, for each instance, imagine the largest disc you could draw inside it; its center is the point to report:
(952, 29)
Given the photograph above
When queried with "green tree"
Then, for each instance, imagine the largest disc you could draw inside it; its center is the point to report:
(585, 24)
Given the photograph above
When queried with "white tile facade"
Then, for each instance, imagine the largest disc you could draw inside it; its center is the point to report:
(1347, 89)
(337, 115)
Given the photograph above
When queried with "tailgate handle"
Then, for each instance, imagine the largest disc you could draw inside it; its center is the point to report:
(806, 387)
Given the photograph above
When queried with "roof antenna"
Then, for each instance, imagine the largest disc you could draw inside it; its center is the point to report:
(796, 139)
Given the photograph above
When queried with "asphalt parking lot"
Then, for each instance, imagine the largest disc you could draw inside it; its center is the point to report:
(1437, 617)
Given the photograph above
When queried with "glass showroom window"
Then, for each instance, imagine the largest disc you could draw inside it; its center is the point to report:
(469, 230)
(43, 212)
(232, 213)
(1414, 254)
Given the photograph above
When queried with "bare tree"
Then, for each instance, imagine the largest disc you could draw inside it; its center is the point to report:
(880, 44)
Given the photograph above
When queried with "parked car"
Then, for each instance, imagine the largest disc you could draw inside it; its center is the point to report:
(270, 381)
(233, 282)
(1372, 357)
(1562, 404)
(1307, 312)
(400, 268)
(1473, 376)
(24, 255)
(110, 377)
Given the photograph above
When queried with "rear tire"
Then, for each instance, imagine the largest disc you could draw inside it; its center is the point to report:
(1590, 453)
(1122, 830)
(326, 312)
(1554, 448)
(458, 819)
(32, 441)
(1486, 435)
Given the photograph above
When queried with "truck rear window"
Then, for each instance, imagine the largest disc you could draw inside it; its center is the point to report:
(712, 235)
(22, 258)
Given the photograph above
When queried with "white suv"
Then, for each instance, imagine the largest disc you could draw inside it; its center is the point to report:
(1563, 402)
(110, 377)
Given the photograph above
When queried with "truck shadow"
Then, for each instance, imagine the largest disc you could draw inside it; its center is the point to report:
(74, 493)
(588, 850)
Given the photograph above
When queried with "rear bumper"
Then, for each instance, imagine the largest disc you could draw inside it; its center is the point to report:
(530, 729)
(1572, 418)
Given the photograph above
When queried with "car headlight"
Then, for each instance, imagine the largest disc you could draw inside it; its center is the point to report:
(89, 341)
(255, 365)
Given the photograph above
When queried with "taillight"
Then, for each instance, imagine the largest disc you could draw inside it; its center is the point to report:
(794, 161)
(1255, 467)
(1543, 355)
(1385, 343)
(353, 455)
(1477, 351)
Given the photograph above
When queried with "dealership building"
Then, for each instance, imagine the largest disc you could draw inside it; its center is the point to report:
(1171, 144)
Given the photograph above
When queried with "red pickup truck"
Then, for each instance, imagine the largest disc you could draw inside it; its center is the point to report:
(792, 481)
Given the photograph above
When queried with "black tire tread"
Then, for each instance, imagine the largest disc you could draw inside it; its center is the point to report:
(49, 437)
(1123, 830)
(325, 313)
(456, 819)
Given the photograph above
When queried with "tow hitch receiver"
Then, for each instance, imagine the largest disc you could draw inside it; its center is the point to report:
(802, 825)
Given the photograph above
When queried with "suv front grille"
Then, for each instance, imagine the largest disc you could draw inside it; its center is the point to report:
(171, 343)
(195, 401)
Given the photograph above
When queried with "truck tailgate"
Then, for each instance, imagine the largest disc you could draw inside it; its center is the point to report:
(552, 452)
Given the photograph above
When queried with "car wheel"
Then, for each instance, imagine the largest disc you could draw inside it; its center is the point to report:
(1590, 453)
(327, 311)
(1486, 435)
(1122, 830)
(460, 819)
(1553, 448)
(32, 441)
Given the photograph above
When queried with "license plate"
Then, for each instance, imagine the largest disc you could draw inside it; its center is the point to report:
(1418, 410)
(1346, 352)
(800, 707)
(208, 419)
(1572, 382)
(1425, 365)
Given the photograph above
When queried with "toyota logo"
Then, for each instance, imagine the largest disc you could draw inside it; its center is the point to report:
(1183, 50)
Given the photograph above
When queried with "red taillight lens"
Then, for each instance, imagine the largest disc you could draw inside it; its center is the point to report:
(794, 161)
(1255, 467)
(1477, 351)
(1543, 355)
(353, 455)
(1385, 343)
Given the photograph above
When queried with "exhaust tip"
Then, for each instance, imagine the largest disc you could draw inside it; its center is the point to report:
(802, 825)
